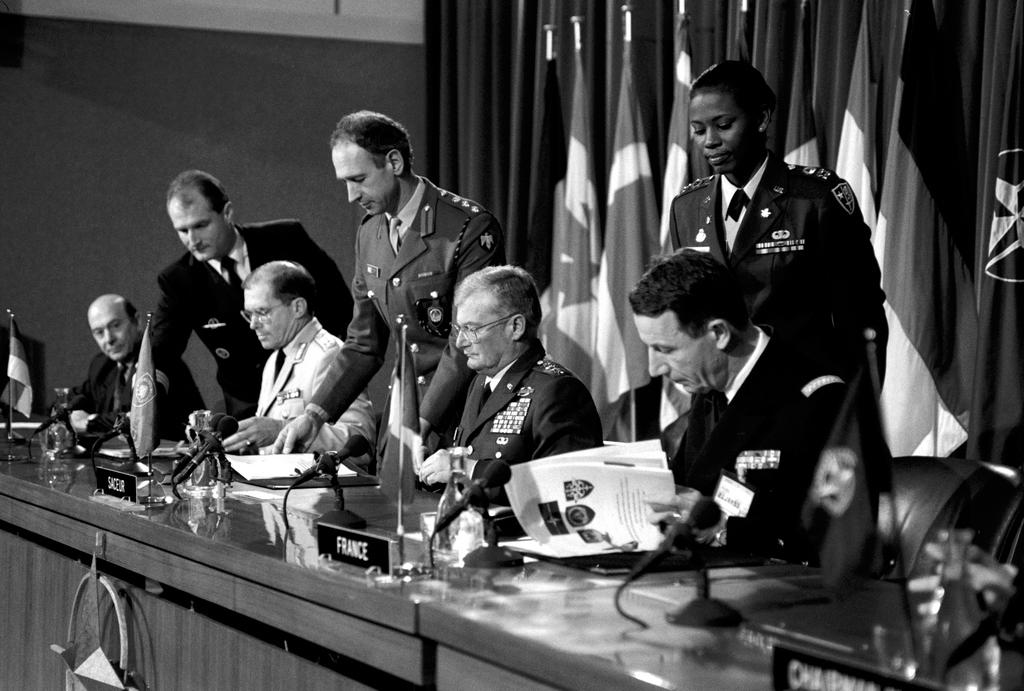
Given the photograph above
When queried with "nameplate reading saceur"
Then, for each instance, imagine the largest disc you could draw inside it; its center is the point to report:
(796, 670)
(354, 547)
(117, 484)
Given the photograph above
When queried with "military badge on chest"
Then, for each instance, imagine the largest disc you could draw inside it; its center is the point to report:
(510, 420)
(434, 314)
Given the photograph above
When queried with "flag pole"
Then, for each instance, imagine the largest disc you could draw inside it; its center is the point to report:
(13, 439)
(149, 498)
(400, 528)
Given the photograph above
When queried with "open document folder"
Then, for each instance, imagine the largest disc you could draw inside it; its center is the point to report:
(593, 501)
(278, 465)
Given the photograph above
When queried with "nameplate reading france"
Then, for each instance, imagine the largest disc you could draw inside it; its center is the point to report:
(354, 547)
(117, 484)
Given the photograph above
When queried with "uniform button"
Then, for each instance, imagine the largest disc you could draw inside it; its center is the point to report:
(421, 380)
(497, 455)
(396, 281)
(370, 293)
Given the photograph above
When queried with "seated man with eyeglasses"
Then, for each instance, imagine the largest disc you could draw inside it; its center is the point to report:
(278, 298)
(521, 405)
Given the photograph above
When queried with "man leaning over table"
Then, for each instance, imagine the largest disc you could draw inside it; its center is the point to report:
(753, 392)
(279, 298)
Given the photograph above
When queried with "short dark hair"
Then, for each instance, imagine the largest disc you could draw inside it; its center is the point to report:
(201, 182)
(129, 309)
(742, 80)
(287, 280)
(375, 132)
(512, 286)
(693, 285)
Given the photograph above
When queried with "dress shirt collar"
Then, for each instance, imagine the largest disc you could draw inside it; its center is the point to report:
(741, 376)
(240, 253)
(407, 214)
(728, 189)
(492, 382)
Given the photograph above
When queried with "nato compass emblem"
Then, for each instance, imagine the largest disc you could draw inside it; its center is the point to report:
(1006, 238)
(145, 389)
(835, 480)
(575, 490)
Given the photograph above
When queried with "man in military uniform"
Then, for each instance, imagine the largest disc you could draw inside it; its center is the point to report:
(793, 236)
(521, 404)
(278, 307)
(202, 291)
(414, 244)
(762, 408)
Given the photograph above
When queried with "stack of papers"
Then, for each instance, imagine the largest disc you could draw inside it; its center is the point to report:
(266, 466)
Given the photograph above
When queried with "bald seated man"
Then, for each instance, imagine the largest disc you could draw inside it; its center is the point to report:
(107, 391)
(279, 298)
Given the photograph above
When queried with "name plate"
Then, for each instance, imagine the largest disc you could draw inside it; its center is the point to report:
(801, 671)
(117, 484)
(354, 547)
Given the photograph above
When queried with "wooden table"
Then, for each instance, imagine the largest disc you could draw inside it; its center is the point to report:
(222, 598)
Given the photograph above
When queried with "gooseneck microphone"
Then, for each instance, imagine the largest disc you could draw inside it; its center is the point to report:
(327, 462)
(224, 426)
(704, 514)
(496, 474)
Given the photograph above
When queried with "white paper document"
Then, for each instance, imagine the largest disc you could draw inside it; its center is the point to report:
(593, 501)
(264, 466)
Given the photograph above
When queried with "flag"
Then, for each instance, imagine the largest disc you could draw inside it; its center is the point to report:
(631, 236)
(144, 393)
(925, 273)
(547, 160)
(403, 425)
(19, 385)
(841, 511)
(997, 420)
(801, 134)
(568, 327)
(742, 45)
(678, 160)
(674, 400)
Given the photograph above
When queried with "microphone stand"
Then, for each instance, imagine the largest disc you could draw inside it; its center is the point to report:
(491, 555)
(703, 610)
(339, 515)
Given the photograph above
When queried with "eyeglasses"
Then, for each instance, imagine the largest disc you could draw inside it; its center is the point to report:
(262, 316)
(472, 333)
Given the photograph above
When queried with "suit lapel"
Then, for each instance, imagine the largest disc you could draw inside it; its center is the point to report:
(502, 394)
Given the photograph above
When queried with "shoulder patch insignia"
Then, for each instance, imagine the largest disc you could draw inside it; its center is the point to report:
(815, 384)
(697, 184)
(844, 195)
(486, 241)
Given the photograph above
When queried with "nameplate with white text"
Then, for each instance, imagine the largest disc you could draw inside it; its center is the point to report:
(354, 547)
(117, 484)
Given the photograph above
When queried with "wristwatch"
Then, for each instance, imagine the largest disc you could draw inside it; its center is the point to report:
(720, 537)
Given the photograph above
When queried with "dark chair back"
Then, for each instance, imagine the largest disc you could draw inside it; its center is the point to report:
(931, 494)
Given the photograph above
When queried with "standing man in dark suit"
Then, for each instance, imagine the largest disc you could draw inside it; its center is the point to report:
(762, 409)
(202, 291)
(521, 405)
(794, 237)
(107, 390)
(414, 245)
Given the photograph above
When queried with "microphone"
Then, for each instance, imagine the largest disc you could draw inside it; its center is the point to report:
(225, 426)
(62, 414)
(496, 474)
(704, 514)
(327, 462)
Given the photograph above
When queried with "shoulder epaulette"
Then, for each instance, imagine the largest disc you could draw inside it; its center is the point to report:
(696, 185)
(813, 385)
(324, 339)
(549, 366)
(467, 205)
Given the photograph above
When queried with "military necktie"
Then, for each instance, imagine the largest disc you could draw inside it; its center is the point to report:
(395, 233)
(738, 203)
